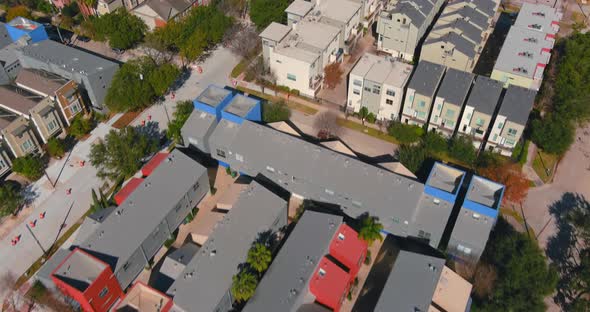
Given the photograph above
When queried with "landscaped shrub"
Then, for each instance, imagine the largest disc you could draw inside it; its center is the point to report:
(412, 156)
(273, 112)
(56, 147)
(31, 167)
(80, 126)
(405, 133)
(371, 118)
(461, 148)
(434, 142)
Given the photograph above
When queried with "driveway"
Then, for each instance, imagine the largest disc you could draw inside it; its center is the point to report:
(572, 175)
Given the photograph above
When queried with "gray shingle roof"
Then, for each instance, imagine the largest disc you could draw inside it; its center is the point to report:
(167, 9)
(459, 42)
(40, 81)
(455, 86)
(176, 262)
(426, 78)
(287, 279)
(517, 104)
(120, 234)
(485, 95)
(208, 276)
(475, 17)
(411, 283)
(468, 30)
(325, 175)
(18, 99)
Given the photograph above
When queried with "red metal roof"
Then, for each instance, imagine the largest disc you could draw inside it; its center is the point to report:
(348, 248)
(329, 284)
(127, 190)
(153, 164)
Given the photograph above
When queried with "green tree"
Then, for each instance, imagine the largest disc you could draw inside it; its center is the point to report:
(273, 112)
(16, 11)
(523, 275)
(192, 48)
(121, 153)
(130, 90)
(31, 167)
(370, 229)
(264, 12)
(434, 143)
(554, 134)
(363, 113)
(461, 148)
(243, 286)
(259, 257)
(109, 27)
(412, 156)
(80, 126)
(182, 113)
(56, 147)
(11, 198)
(162, 77)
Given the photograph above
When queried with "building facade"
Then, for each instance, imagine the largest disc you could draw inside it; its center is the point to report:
(19, 135)
(402, 24)
(420, 93)
(511, 120)
(378, 83)
(449, 102)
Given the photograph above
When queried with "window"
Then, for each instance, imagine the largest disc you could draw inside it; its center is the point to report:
(389, 102)
(439, 107)
(103, 292)
(356, 91)
(51, 125)
(291, 77)
(421, 115)
(422, 104)
(341, 236)
(196, 186)
(422, 234)
(367, 89)
(376, 89)
(390, 92)
(357, 83)
(75, 108)
(435, 118)
(450, 113)
(27, 145)
(512, 132)
(500, 125)
(479, 122)
(239, 157)
(509, 142)
(220, 153)
(2, 163)
(495, 137)
(269, 168)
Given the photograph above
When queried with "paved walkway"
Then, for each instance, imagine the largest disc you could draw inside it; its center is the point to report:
(527, 168)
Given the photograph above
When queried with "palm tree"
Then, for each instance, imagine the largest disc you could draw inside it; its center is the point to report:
(259, 257)
(370, 230)
(243, 286)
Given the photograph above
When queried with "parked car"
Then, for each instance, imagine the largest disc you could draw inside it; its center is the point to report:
(83, 38)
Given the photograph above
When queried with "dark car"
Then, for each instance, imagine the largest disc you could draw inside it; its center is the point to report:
(83, 38)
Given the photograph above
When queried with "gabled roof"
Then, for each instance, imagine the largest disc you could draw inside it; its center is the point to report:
(286, 281)
(517, 104)
(167, 9)
(18, 99)
(455, 86)
(485, 95)
(40, 81)
(459, 42)
(151, 165)
(176, 262)
(426, 78)
(208, 276)
(127, 189)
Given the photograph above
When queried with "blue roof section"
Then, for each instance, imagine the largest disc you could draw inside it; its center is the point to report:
(481, 209)
(20, 26)
(213, 100)
(225, 104)
(432, 190)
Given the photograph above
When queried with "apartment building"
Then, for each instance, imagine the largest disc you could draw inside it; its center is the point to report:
(449, 102)
(480, 108)
(476, 219)
(19, 135)
(511, 120)
(39, 110)
(420, 93)
(527, 48)
(91, 72)
(5, 163)
(315, 267)
(378, 83)
(402, 24)
(318, 33)
(436, 204)
(205, 283)
(133, 232)
(459, 35)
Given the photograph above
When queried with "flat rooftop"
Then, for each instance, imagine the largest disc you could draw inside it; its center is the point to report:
(382, 69)
(339, 10)
(79, 270)
(213, 95)
(485, 192)
(241, 105)
(142, 298)
(275, 31)
(208, 276)
(299, 7)
(538, 17)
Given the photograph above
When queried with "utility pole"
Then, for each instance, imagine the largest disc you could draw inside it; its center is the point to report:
(36, 240)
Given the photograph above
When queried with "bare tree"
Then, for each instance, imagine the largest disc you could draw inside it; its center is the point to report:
(13, 300)
(326, 124)
(234, 8)
(242, 40)
(332, 75)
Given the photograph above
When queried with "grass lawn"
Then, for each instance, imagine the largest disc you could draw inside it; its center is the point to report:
(366, 130)
(518, 218)
(291, 104)
(521, 151)
(238, 69)
(544, 160)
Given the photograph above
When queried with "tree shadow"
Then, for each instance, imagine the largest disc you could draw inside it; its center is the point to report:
(561, 246)
(152, 130)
